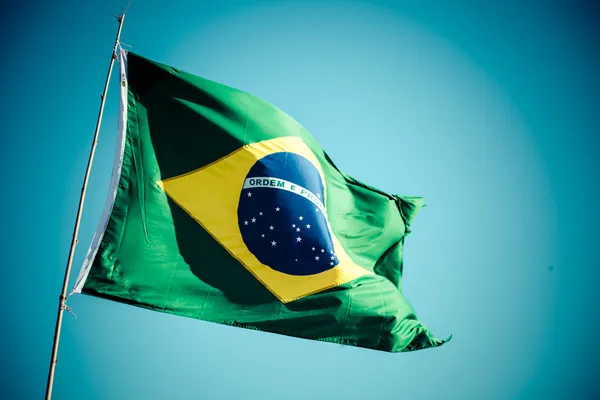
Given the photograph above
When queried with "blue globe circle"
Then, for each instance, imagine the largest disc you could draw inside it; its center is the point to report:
(282, 218)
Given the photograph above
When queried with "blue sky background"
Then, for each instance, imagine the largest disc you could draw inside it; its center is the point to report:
(490, 111)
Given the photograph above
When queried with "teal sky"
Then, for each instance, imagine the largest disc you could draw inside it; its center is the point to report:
(490, 110)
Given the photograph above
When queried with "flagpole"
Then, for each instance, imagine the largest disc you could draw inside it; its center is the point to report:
(63, 296)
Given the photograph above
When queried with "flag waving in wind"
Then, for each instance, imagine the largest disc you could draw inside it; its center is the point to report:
(225, 209)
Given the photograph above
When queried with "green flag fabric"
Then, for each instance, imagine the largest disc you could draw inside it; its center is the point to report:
(225, 209)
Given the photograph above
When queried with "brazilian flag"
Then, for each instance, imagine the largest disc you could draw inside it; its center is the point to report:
(225, 209)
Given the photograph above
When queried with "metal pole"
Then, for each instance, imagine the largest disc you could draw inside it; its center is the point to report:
(63, 295)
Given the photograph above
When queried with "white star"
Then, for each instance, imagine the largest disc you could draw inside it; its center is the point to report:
(322, 250)
(308, 226)
(317, 258)
(273, 243)
(263, 235)
(298, 239)
(330, 263)
(294, 225)
(313, 249)
(249, 194)
(297, 229)
(260, 213)
(301, 218)
(317, 209)
(253, 220)
(245, 222)
(331, 251)
(296, 259)
(271, 228)
(277, 209)
(332, 257)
